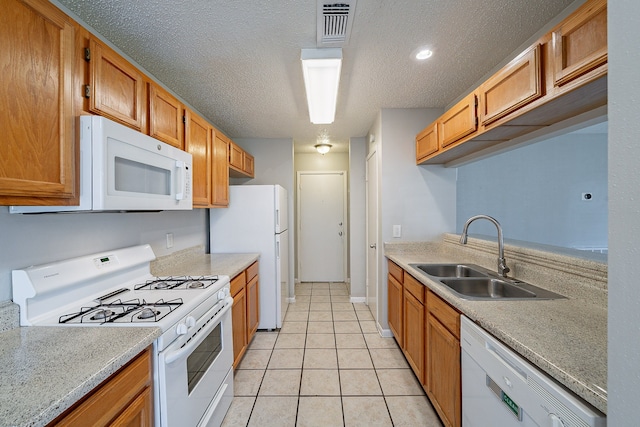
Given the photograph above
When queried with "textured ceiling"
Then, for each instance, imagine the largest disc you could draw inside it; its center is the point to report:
(238, 62)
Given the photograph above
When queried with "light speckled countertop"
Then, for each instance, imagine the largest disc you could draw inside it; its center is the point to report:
(45, 370)
(194, 261)
(566, 338)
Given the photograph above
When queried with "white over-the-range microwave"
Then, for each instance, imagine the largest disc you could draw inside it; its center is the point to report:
(122, 169)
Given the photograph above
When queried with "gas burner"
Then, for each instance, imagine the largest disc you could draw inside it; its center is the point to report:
(160, 285)
(102, 315)
(147, 313)
(179, 282)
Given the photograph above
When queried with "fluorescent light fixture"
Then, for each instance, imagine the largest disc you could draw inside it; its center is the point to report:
(321, 72)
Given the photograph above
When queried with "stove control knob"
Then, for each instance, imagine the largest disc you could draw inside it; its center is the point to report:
(181, 329)
(191, 322)
(222, 294)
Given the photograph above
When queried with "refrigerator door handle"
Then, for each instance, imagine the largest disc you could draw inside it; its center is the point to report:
(278, 250)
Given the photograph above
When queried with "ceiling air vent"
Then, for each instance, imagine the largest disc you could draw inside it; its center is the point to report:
(334, 22)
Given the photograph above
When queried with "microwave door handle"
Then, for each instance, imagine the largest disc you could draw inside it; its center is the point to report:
(183, 179)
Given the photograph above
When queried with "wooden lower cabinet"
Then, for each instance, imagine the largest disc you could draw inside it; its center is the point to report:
(395, 301)
(245, 312)
(443, 365)
(427, 330)
(414, 333)
(125, 399)
(239, 325)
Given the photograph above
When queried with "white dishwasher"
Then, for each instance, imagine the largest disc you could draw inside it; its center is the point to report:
(499, 388)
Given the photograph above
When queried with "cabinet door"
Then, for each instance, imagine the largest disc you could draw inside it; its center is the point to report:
(511, 88)
(117, 87)
(165, 117)
(427, 142)
(198, 143)
(459, 121)
(38, 142)
(395, 299)
(253, 307)
(239, 325)
(580, 43)
(414, 332)
(248, 164)
(139, 413)
(443, 371)
(220, 186)
(235, 156)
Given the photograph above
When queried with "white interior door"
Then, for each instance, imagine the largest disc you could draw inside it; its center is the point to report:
(372, 234)
(321, 226)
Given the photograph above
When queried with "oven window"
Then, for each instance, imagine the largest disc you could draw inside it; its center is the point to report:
(136, 177)
(203, 356)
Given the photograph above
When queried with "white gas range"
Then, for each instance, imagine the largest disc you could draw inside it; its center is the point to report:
(193, 381)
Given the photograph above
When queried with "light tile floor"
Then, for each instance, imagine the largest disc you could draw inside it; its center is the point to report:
(327, 366)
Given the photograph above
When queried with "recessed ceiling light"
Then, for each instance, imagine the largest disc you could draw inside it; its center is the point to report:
(423, 54)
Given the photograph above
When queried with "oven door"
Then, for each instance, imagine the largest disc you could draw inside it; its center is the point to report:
(193, 372)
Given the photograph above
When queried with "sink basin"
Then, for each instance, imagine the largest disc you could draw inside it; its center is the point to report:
(450, 270)
(487, 288)
(470, 281)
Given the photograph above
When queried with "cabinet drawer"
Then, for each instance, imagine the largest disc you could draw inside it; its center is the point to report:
(396, 271)
(414, 287)
(252, 271)
(115, 395)
(238, 283)
(445, 314)
(514, 86)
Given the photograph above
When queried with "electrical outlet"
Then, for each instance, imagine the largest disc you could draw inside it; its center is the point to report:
(397, 230)
(169, 240)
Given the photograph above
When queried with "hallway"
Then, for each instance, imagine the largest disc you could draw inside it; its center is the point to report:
(327, 366)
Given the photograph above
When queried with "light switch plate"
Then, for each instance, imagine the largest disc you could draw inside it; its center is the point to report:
(397, 230)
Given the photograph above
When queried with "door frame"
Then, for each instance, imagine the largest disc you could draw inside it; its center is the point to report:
(370, 156)
(345, 229)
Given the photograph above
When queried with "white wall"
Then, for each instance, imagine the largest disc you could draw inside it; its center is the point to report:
(273, 165)
(37, 239)
(357, 215)
(624, 214)
(421, 199)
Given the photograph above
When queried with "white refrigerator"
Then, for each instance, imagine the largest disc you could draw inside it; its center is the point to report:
(257, 221)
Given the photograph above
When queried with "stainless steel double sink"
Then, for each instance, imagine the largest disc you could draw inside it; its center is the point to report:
(473, 282)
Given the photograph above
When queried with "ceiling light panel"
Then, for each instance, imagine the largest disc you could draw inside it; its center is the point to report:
(321, 72)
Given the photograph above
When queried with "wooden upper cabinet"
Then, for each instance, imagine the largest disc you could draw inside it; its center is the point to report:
(198, 142)
(38, 149)
(235, 156)
(165, 117)
(117, 87)
(514, 86)
(220, 164)
(459, 121)
(248, 164)
(580, 43)
(427, 141)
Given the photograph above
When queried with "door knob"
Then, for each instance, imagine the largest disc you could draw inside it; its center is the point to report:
(340, 233)
(372, 246)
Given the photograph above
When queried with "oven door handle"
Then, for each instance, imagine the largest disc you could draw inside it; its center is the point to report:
(189, 346)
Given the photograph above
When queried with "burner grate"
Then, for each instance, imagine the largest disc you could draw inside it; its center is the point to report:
(177, 282)
(132, 311)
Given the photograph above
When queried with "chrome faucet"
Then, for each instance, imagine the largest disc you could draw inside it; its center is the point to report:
(502, 264)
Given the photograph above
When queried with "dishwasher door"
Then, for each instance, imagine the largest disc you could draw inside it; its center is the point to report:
(499, 388)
